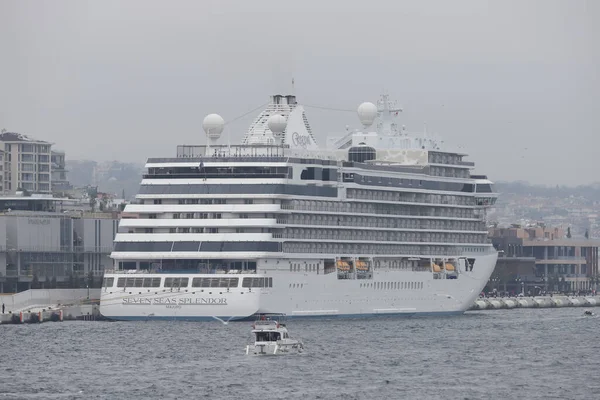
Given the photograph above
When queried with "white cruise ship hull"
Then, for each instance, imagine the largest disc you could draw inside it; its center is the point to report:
(300, 294)
(380, 222)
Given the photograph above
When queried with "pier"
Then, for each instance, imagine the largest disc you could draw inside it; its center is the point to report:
(43, 305)
(498, 303)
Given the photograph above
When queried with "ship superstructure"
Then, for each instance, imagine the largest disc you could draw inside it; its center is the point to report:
(380, 222)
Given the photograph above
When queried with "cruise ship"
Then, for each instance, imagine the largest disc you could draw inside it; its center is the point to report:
(379, 221)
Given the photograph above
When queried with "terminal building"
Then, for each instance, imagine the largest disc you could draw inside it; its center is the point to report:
(42, 245)
(545, 259)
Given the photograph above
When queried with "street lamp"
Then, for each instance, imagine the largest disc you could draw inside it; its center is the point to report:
(519, 280)
(545, 280)
(522, 287)
(494, 281)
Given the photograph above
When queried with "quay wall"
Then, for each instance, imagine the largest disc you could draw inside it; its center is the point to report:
(45, 297)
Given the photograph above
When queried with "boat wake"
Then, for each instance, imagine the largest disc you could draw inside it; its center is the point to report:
(223, 322)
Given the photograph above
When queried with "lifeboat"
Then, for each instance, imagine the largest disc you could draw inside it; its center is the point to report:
(343, 266)
(449, 267)
(361, 266)
(437, 268)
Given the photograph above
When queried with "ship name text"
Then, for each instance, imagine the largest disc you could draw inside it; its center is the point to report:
(180, 301)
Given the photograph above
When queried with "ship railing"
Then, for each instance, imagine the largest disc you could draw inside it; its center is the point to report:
(179, 271)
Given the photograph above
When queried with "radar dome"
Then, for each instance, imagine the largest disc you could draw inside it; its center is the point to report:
(213, 125)
(367, 112)
(277, 123)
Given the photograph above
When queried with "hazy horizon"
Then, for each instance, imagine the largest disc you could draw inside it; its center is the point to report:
(514, 83)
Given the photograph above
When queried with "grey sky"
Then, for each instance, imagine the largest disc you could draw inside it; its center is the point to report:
(513, 82)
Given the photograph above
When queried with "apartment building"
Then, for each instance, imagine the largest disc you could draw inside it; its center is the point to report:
(59, 172)
(26, 164)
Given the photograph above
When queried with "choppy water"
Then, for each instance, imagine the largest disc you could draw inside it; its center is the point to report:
(500, 354)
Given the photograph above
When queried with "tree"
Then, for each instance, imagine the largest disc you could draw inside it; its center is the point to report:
(90, 279)
(569, 232)
(77, 280)
(71, 281)
(35, 282)
(26, 193)
(562, 285)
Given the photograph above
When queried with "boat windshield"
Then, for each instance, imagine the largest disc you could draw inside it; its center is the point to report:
(267, 336)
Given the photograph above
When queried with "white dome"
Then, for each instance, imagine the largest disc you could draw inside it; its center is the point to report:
(367, 112)
(213, 125)
(277, 123)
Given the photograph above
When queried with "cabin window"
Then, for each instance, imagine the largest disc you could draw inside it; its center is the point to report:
(155, 282)
(215, 282)
(176, 282)
(267, 336)
(483, 188)
(257, 282)
(108, 282)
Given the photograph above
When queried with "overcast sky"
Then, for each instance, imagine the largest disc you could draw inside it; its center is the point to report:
(513, 82)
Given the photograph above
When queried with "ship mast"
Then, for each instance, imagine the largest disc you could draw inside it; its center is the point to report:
(387, 111)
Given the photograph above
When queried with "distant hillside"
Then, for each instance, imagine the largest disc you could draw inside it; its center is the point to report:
(591, 192)
(110, 177)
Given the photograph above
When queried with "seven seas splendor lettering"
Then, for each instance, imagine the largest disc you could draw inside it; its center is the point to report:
(180, 301)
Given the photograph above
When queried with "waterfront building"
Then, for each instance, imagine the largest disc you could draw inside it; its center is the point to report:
(40, 242)
(1, 171)
(544, 257)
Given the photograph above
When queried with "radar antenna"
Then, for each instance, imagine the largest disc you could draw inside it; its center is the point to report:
(387, 111)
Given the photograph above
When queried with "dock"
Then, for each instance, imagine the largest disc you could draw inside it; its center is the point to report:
(55, 305)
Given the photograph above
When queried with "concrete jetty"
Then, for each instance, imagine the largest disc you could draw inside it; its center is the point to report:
(82, 312)
(41, 305)
(497, 303)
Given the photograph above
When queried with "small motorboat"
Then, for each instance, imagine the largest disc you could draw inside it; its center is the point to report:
(272, 338)
(588, 313)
